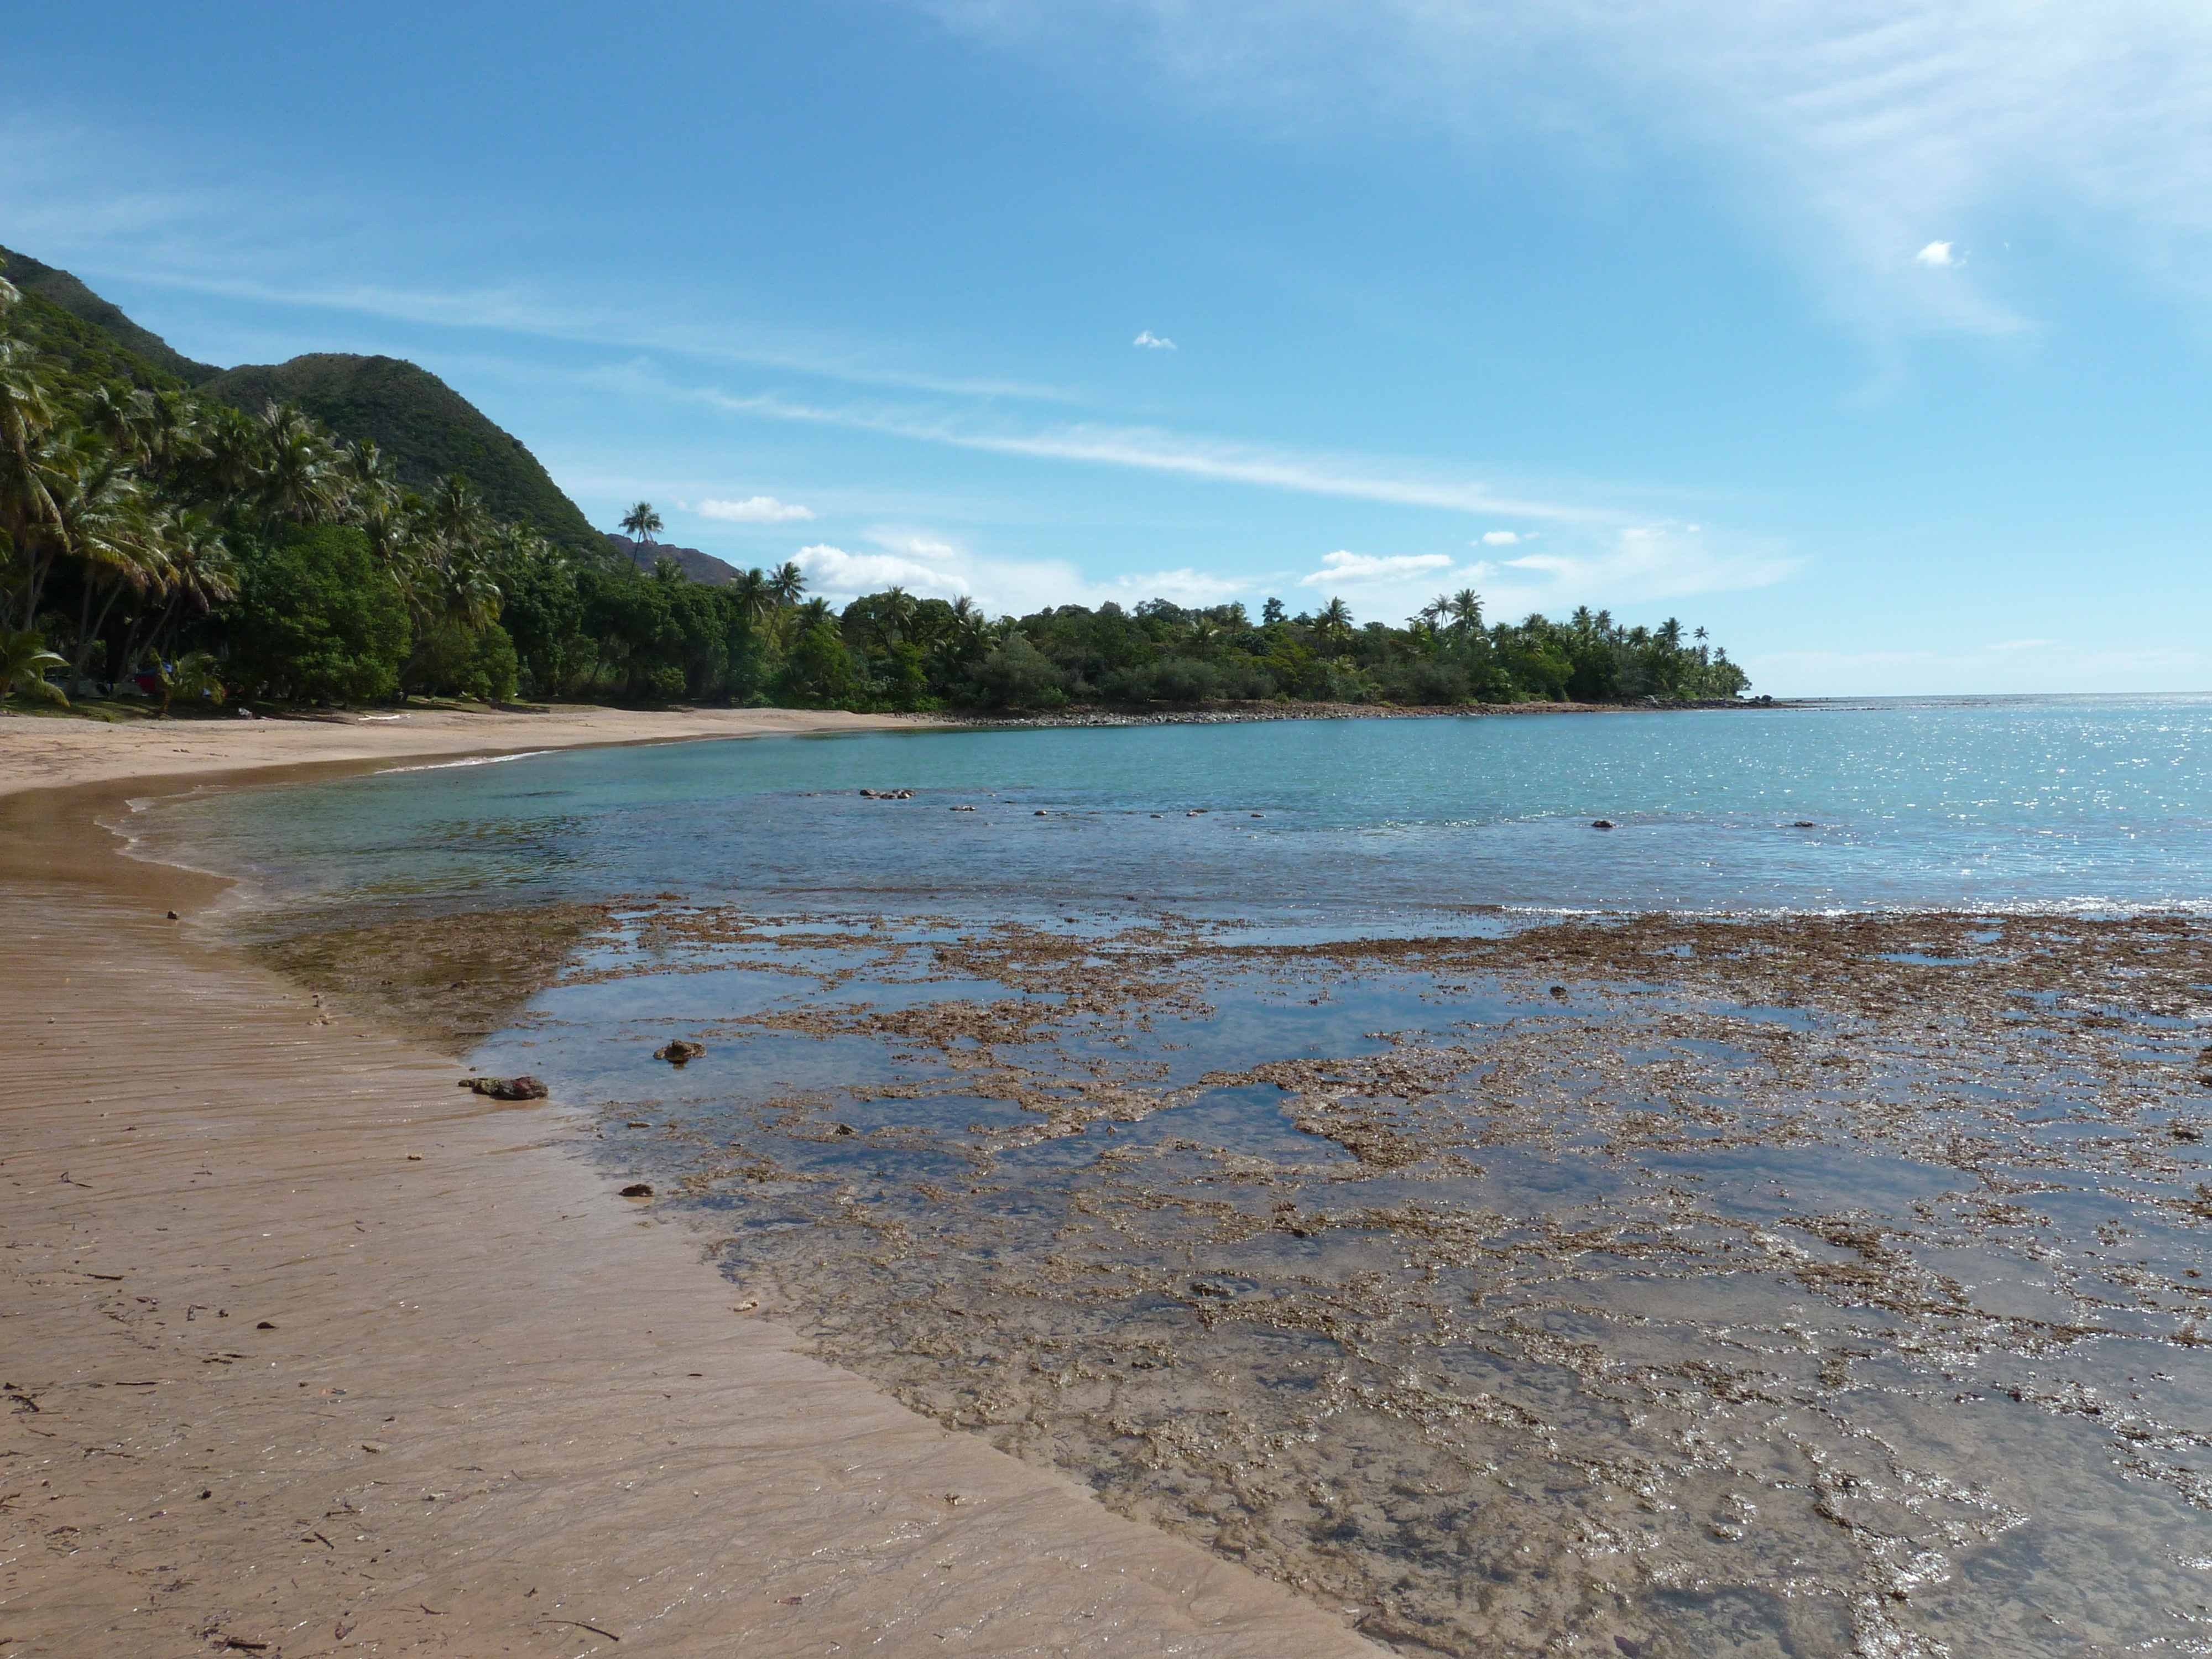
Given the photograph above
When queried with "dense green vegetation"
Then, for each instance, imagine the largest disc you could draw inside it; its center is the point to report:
(157, 535)
(103, 316)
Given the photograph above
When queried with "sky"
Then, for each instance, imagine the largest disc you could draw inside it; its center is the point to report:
(1872, 336)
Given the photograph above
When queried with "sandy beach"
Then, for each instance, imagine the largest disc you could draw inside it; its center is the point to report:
(42, 752)
(309, 1351)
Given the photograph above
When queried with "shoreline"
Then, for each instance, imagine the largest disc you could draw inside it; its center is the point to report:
(1233, 714)
(309, 1351)
(53, 752)
(42, 752)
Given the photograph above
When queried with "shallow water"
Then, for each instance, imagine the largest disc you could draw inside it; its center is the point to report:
(2056, 804)
(1668, 1286)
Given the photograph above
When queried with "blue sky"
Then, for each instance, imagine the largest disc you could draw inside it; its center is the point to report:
(1874, 338)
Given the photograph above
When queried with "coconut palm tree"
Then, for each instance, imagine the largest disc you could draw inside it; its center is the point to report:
(1465, 609)
(392, 542)
(1334, 622)
(462, 592)
(111, 414)
(754, 600)
(202, 575)
(642, 522)
(26, 416)
(168, 427)
(787, 582)
(372, 481)
(894, 614)
(298, 475)
(456, 514)
(232, 451)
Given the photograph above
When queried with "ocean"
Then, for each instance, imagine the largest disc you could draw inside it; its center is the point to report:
(1773, 1224)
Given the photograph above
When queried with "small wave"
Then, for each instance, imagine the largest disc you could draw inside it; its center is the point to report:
(478, 760)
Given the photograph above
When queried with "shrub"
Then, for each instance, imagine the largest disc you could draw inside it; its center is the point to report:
(1016, 675)
(316, 621)
(1424, 680)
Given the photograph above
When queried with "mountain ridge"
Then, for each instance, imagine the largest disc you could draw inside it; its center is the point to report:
(427, 429)
(53, 283)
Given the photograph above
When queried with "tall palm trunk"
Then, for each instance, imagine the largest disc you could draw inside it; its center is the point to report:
(90, 629)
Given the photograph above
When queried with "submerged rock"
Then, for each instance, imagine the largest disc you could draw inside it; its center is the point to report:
(506, 1088)
(679, 1051)
(637, 1190)
(1602, 824)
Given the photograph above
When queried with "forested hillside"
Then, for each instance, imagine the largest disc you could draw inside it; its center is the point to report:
(62, 289)
(428, 429)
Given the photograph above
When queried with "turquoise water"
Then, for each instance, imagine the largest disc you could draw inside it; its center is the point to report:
(2096, 804)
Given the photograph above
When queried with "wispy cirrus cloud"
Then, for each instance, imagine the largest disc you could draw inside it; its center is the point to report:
(1616, 565)
(58, 200)
(754, 509)
(1361, 568)
(1149, 449)
(1848, 138)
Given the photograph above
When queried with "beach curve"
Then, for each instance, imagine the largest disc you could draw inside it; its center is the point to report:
(309, 1351)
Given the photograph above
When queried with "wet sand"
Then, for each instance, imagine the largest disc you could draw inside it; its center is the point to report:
(309, 1351)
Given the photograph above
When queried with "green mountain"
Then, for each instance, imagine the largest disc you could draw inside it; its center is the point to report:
(88, 356)
(426, 427)
(64, 291)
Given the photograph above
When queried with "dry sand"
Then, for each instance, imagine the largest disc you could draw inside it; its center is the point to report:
(44, 751)
(306, 1350)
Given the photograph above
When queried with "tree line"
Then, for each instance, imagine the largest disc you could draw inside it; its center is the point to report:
(153, 540)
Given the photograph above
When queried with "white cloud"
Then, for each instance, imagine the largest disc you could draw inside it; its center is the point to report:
(1500, 538)
(1640, 564)
(1937, 254)
(839, 577)
(1619, 566)
(932, 567)
(1552, 564)
(754, 509)
(1361, 568)
(914, 544)
(1152, 342)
